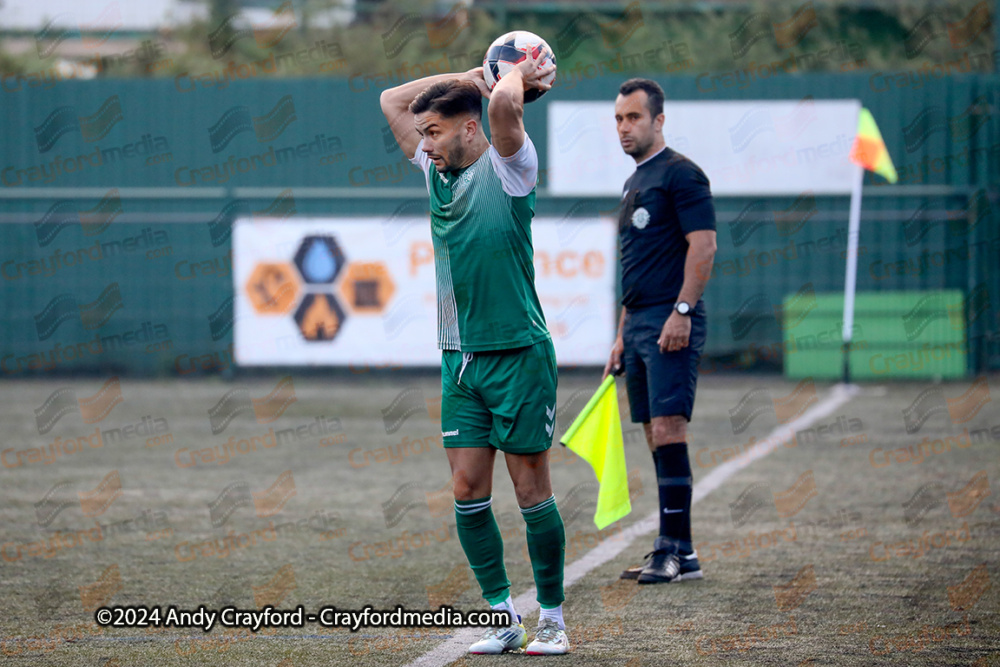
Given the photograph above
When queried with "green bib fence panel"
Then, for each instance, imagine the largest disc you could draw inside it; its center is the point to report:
(911, 334)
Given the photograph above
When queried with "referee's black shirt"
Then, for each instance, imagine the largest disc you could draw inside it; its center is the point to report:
(666, 198)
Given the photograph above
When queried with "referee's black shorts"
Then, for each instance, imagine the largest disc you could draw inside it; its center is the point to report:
(660, 384)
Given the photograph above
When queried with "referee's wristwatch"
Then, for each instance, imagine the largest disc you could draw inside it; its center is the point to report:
(683, 308)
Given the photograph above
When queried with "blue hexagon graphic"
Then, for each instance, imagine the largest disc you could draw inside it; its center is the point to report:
(319, 259)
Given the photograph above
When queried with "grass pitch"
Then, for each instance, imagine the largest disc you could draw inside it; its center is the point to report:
(857, 545)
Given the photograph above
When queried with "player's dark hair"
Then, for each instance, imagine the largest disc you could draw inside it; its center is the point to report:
(450, 98)
(654, 94)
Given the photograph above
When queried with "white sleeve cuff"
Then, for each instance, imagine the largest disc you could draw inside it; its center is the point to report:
(519, 172)
(421, 160)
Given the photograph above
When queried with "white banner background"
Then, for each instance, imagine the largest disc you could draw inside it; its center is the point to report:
(574, 274)
(746, 147)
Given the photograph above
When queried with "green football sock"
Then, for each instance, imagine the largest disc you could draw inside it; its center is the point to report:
(547, 549)
(483, 545)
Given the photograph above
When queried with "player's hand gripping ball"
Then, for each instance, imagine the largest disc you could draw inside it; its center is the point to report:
(508, 51)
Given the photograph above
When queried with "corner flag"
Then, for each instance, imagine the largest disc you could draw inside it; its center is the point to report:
(596, 437)
(868, 152)
(869, 149)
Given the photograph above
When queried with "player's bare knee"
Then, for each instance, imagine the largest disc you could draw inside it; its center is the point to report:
(531, 492)
(466, 488)
(530, 475)
(467, 492)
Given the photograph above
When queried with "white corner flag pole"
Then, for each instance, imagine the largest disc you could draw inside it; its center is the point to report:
(851, 277)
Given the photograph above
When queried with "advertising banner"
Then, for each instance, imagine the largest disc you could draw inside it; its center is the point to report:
(361, 292)
(745, 148)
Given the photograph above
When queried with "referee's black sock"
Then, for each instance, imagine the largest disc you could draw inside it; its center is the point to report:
(673, 475)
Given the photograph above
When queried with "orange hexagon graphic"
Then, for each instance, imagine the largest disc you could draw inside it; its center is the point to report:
(367, 287)
(273, 288)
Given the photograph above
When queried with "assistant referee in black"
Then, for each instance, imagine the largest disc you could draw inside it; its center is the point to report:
(666, 230)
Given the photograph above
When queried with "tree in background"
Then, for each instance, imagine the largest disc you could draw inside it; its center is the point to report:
(406, 38)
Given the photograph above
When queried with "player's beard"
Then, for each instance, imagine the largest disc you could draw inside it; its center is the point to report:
(456, 156)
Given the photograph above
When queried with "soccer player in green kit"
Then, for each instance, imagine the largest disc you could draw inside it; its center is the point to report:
(498, 366)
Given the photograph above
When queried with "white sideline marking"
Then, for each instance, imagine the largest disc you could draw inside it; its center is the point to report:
(456, 647)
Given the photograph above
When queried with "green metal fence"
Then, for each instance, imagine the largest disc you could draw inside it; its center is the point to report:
(147, 206)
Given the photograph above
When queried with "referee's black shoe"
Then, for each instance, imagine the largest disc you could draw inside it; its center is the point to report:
(664, 565)
(689, 567)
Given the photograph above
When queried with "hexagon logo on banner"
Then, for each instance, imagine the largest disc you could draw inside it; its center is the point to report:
(367, 287)
(273, 288)
(319, 259)
(319, 317)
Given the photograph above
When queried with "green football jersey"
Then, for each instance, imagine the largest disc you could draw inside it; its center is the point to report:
(483, 255)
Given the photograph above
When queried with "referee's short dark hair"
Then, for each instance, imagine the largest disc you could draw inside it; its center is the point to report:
(654, 94)
(450, 98)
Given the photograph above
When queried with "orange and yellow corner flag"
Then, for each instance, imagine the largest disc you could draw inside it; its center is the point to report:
(596, 437)
(869, 149)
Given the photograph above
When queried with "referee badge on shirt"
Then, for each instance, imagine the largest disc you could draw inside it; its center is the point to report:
(640, 218)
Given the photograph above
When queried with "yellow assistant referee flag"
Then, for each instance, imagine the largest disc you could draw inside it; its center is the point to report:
(596, 437)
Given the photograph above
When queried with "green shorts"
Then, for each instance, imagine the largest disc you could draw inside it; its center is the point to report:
(504, 398)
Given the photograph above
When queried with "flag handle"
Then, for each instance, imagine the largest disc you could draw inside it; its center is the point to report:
(587, 409)
(851, 276)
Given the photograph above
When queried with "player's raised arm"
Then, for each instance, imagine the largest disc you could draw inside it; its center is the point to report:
(395, 103)
(506, 108)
